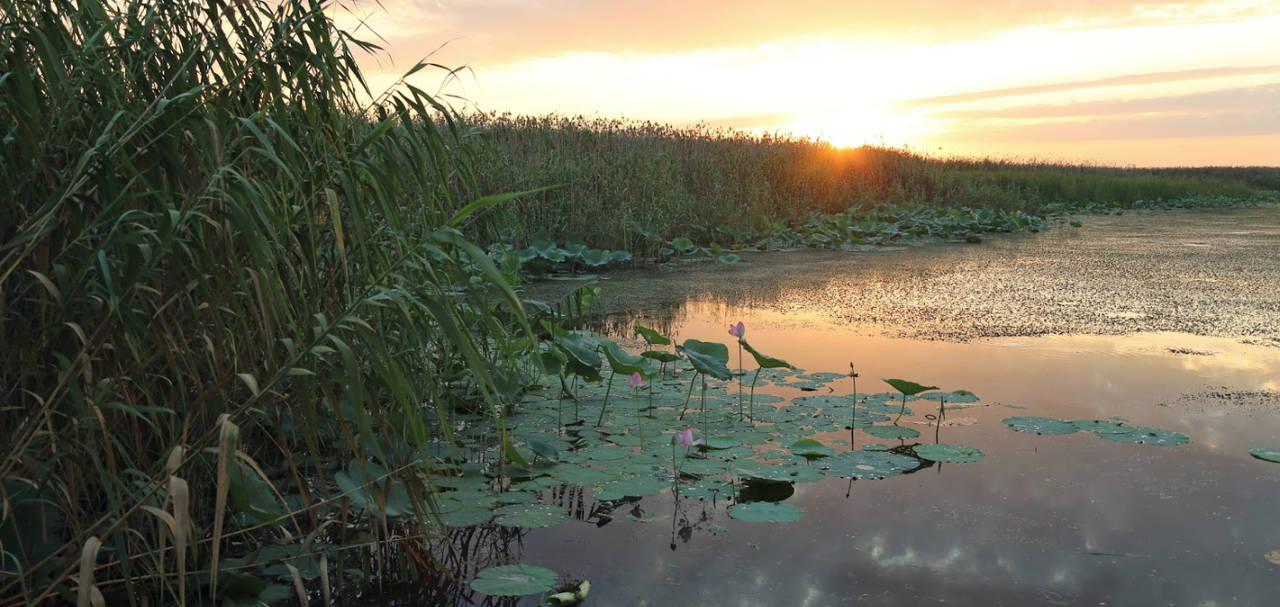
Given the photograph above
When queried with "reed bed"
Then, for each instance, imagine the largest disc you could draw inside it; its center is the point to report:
(224, 275)
(635, 184)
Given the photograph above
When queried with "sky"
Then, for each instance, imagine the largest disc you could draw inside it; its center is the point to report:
(1131, 84)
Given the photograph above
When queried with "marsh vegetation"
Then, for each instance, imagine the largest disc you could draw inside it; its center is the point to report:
(265, 341)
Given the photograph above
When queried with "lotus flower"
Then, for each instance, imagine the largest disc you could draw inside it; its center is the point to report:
(635, 381)
(738, 330)
(685, 438)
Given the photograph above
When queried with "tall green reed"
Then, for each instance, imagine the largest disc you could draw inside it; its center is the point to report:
(636, 184)
(226, 268)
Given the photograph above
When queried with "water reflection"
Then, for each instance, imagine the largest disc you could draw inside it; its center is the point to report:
(1061, 520)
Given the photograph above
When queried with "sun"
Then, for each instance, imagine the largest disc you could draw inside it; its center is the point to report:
(860, 125)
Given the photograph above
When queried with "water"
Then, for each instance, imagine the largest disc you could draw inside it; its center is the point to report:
(1055, 520)
(1054, 331)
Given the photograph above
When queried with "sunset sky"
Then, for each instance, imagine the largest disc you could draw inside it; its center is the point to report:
(1146, 84)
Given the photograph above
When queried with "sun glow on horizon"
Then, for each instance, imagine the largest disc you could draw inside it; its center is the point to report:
(1120, 84)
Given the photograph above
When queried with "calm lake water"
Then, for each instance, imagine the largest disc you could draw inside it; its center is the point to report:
(1042, 520)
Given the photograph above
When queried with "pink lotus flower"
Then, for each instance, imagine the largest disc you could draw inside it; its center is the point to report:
(685, 438)
(635, 380)
(738, 330)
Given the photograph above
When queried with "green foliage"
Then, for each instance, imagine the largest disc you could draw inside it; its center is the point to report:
(908, 388)
(214, 230)
(765, 512)
(672, 188)
(709, 358)
(514, 580)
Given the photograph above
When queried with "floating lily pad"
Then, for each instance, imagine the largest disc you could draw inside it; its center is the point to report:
(1149, 436)
(885, 407)
(1039, 425)
(765, 473)
(719, 442)
(811, 448)
(639, 486)
(891, 432)
(959, 397)
(1102, 426)
(765, 512)
(530, 515)
(950, 454)
(869, 464)
(578, 475)
(514, 580)
(466, 517)
(704, 467)
(1270, 455)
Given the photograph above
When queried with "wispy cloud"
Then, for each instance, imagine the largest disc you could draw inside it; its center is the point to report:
(1124, 80)
(1165, 126)
(496, 31)
(1240, 99)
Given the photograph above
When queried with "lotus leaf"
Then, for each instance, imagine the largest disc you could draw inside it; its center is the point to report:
(1270, 455)
(639, 486)
(869, 464)
(1039, 425)
(514, 580)
(811, 448)
(530, 515)
(1148, 436)
(709, 358)
(951, 454)
(891, 432)
(908, 388)
(596, 257)
(765, 512)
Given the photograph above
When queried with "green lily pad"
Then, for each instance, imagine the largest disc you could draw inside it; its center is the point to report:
(709, 358)
(578, 475)
(765, 473)
(764, 361)
(1102, 426)
(466, 517)
(729, 259)
(640, 486)
(811, 448)
(596, 257)
(530, 515)
(950, 454)
(891, 432)
(958, 397)
(514, 580)
(765, 512)
(1039, 425)
(1148, 436)
(651, 336)
(869, 464)
(719, 442)
(1270, 455)
(908, 387)
(704, 467)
